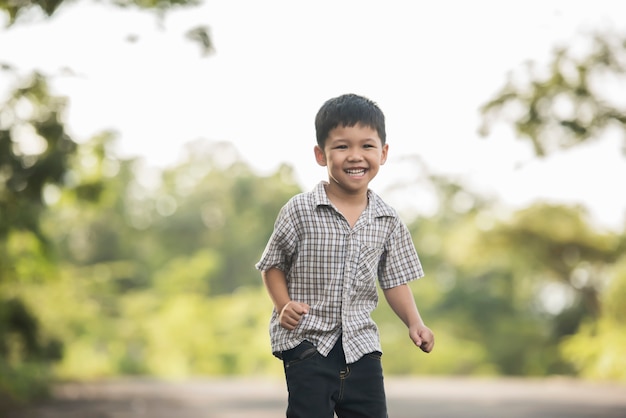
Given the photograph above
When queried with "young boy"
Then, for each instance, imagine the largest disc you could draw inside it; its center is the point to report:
(320, 268)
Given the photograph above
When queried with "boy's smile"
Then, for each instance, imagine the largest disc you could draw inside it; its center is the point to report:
(353, 156)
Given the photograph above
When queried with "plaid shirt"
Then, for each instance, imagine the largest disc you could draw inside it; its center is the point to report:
(333, 268)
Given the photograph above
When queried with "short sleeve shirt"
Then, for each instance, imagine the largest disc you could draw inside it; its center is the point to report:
(334, 269)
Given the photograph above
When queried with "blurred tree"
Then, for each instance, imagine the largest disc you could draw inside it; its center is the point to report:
(458, 305)
(158, 248)
(506, 286)
(34, 152)
(597, 349)
(17, 9)
(572, 100)
(35, 160)
(552, 265)
(575, 99)
(222, 205)
(22, 12)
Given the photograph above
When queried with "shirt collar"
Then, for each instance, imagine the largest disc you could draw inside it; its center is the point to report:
(376, 208)
(320, 198)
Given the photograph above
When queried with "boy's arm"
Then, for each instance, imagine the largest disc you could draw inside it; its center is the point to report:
(290, 312)
(400, 298)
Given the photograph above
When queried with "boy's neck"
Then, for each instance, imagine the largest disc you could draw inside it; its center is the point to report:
(350, 205)
(340, 197)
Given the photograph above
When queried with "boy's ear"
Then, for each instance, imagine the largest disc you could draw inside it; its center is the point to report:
(320, 157)
(383, 157)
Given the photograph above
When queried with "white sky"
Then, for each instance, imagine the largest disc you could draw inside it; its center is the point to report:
(429, 65)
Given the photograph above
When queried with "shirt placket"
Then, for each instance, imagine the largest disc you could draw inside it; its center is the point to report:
(352, 255)
(350, 276)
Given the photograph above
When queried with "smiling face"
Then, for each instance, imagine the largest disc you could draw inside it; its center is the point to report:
(353, 156)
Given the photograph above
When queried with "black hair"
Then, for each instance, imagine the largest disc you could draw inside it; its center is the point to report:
(348, 110)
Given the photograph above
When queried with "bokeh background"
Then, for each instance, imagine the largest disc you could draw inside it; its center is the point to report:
(146, 148)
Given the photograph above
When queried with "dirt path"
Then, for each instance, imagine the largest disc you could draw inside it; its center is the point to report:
(265, 398)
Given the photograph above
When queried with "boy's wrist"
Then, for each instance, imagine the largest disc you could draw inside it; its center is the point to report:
(281, 307)
(416, 323)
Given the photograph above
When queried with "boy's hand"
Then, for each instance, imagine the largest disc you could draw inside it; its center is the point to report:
(291, 314)
(422, 337)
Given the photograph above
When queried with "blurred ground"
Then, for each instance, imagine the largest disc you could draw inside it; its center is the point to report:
(264, 398)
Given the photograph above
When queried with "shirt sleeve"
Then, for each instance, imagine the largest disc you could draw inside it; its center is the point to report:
(399, 263)
(281, 247)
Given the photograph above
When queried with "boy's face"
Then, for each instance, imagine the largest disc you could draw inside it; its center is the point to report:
(353, 156)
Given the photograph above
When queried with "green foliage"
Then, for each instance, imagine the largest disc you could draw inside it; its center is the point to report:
(155, 268)
(455, 353)
(170, 333)
(572, 267)
(549, 249)
(40, 166)
(513, 285)
(16, 9)
(109, 267)
(34, 150)
(564, 104)
(597, 350)
(226, 208)
(156, 274)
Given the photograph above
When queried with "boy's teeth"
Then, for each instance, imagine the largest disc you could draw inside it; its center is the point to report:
(359, 171)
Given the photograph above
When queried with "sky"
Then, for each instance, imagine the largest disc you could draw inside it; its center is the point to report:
(429, 65)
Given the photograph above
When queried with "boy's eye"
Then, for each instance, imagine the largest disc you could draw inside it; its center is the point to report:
(341, 147)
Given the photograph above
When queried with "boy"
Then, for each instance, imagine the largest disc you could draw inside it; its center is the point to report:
(320, 268)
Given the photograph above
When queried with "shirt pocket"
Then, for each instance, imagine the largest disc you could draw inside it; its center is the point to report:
(369, 258)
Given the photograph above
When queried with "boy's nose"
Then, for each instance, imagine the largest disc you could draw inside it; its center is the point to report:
(354, 155)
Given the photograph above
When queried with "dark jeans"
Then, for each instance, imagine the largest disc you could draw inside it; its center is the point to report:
(319, 386)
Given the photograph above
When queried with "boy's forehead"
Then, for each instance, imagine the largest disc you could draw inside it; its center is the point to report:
(357, 125)
(361, 130)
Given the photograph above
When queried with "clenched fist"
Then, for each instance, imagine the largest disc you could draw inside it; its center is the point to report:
(292, 313)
